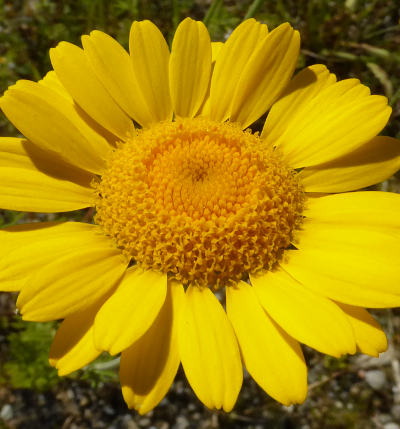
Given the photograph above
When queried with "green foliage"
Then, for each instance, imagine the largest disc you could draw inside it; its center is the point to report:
(103, 370)
(10, 218)
(27, 365)
(336, 364)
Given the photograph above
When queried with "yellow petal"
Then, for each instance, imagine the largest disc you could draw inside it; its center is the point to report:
(72, 282)
(18, 152)
(189, 67)
(215, 50)
(231, 61)
(340, 118)
(317, 231)
(150, 57)
(272, 358)
(369, 334)
(77, 76)
(131, 310)
(50, 121)
(303, 88)
(362, 245)
(349, 264)
(73, 346)
(113, 67)
(370, 210)
(51, 81)
(265, 75)
(33, 180)
(372, 163)
(209, 351)
(305, 267)
(26, 252)
(205, 107)
(149, 366)
(304, 315)
(15, 236)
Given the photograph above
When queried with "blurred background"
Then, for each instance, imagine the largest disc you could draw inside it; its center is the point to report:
(354, 38)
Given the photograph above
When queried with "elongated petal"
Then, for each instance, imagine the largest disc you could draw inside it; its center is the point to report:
(306, 316)
(305, 267)
(51, 81)
(32, 180)
(230, 63)
(77, 76)
(372, 163)
(72, 282)
(13, 237)
(272, 358)
(366, 269)
(209, 351)
(73, 345)
(369, 334)
(50, 121)
(215, 50)
(113, 67)
(205, 107)
(373, 237)
(265, 75)
(370, 210)
(150, 57)
(149, 366)
(131, 310)
(332, 120)
(304, 87)
(189, 67)
(18, 152)
(28, 251)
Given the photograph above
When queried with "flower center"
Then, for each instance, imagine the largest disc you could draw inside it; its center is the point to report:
(203, 201)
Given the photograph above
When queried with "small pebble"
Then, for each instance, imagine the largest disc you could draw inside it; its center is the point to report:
(181, 423)
(109, 410)
(145, 421)
(87, 413)
(376, 379)
(130, 424)
(6, 413)
(339, 404)
(391, 425)
(84, 401)
(41, 400)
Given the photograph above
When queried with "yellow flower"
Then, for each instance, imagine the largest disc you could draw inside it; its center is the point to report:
(191, 209)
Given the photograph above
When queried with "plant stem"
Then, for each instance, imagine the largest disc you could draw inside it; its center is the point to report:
(214, 7)
(252, 10)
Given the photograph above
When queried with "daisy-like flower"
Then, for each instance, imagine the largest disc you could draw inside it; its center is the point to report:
(192, 209)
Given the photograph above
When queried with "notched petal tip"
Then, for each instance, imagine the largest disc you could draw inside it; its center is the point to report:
(85, 38)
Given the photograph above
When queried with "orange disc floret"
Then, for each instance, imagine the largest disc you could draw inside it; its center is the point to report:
(201, 200)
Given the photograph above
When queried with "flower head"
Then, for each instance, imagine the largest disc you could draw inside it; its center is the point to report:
(189, 201)
(201, 200)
